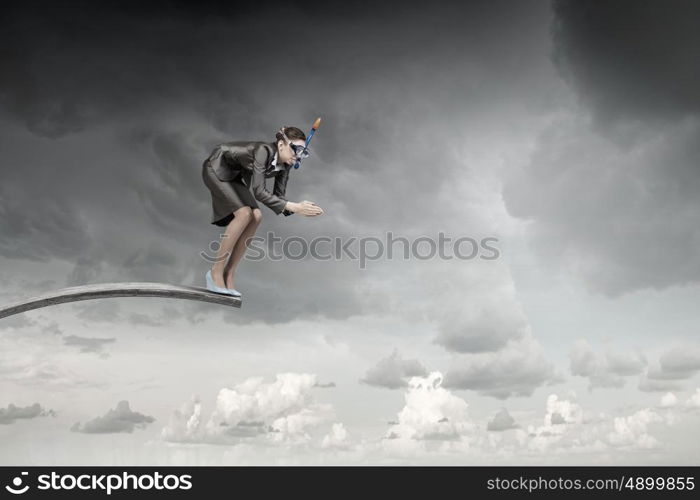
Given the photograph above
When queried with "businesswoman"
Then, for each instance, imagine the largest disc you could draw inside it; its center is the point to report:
(235, 173)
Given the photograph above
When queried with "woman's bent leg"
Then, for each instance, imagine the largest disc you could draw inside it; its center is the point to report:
(240, 247)
(242, 217)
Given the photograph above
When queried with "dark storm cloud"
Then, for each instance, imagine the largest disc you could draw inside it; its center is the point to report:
(615, 198)
(631, 59)
(109, 59)
(93, 62)
(50, 225)
(150, 263)
(13, 413)
(120, 419)
(123, 102)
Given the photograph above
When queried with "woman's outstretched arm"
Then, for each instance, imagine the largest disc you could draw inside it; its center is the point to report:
(257, 183)
(280, 189)
(275, 200)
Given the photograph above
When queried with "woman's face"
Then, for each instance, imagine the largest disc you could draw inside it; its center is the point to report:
(285, 151)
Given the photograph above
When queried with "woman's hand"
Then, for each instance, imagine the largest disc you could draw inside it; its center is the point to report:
(308, 208)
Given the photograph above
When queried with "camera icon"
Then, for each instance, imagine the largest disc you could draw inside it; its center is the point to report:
(214, 246)
(16, 487)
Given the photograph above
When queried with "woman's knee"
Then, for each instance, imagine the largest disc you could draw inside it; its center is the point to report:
(257, 216)
(243, 214)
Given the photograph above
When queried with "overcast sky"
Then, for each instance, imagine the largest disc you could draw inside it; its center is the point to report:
(569, 131)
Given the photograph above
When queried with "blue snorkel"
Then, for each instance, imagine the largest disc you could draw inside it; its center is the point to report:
(314, 128)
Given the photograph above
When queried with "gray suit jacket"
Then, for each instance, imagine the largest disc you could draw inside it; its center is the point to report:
(252, 161)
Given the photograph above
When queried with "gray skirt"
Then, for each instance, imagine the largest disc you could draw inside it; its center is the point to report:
(226, 196)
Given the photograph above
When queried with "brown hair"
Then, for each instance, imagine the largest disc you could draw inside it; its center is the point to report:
(292, 134)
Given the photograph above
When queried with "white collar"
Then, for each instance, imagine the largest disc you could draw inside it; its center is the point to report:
(274, 162)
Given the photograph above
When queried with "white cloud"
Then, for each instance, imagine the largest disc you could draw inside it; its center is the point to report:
(560, 413)
(566, 428)
(336, 438)
(431, 413)
(669, 400)
(295, 427)
(632, 430)
(694, 400)
(282, 411)
(185, 423)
